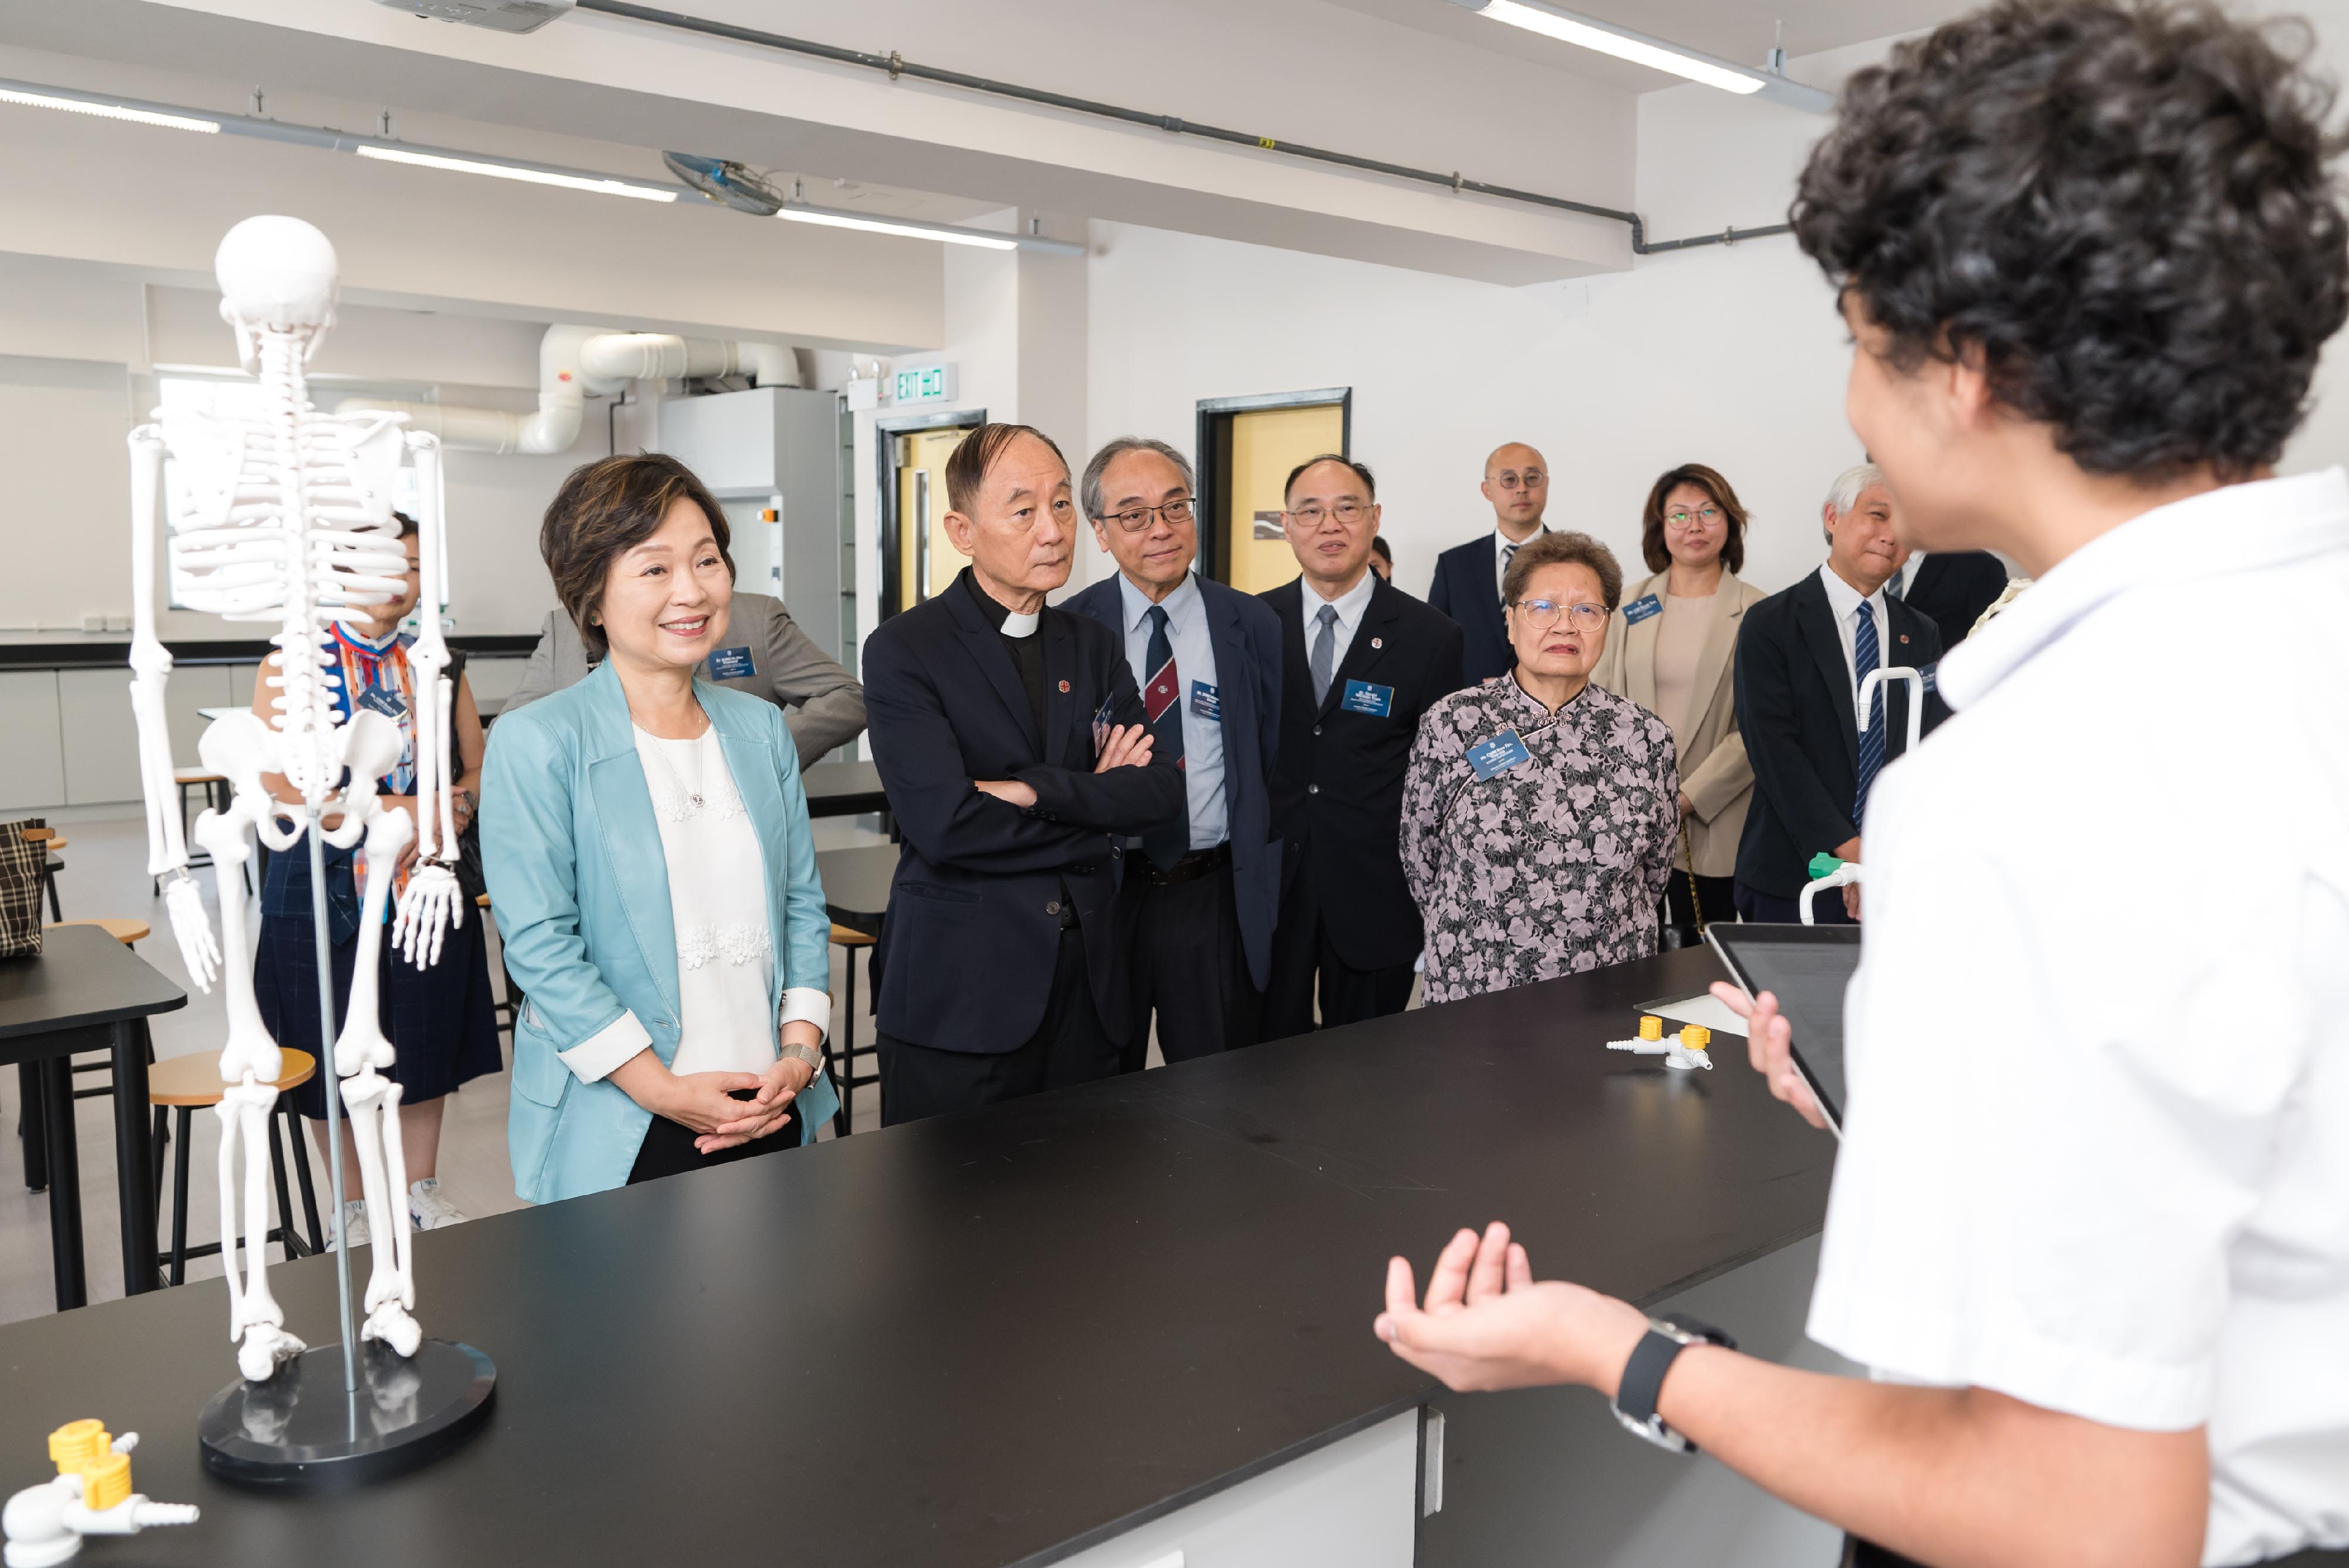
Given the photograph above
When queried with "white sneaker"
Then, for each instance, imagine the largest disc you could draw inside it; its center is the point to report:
(428, 1209)
(355, 1221)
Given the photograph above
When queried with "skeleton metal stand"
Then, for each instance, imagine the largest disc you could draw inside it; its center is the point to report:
(286, 517)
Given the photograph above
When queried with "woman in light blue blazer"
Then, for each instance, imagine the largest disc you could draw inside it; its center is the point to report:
(645, 838)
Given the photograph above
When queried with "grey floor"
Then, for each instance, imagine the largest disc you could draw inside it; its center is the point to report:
(106, 874)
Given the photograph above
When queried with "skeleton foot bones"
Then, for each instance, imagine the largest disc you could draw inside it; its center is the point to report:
(285, 518)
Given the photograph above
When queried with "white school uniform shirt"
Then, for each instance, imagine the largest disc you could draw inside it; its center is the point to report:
(1195, 662)
(2097, 1153)
(1844, 601)
(717, 902)
(1349, 606)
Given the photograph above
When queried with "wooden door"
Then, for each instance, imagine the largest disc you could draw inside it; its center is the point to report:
(927, 560)
(1266, 444)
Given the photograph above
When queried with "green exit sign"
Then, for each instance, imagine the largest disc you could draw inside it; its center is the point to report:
(924, 384)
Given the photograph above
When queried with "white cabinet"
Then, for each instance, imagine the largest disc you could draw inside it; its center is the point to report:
(101, 741)
(32, 745)
(1355, 1501)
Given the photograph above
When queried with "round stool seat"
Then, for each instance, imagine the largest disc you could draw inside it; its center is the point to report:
(842, 936)
(195, 1079)
(197, 776)
(481, 900)
(121, 931)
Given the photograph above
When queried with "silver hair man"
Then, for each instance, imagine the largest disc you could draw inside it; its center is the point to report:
(1089, 491)
(1842, 495)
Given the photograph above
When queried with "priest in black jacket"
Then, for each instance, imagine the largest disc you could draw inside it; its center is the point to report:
(1012, 744)
(1361, 661)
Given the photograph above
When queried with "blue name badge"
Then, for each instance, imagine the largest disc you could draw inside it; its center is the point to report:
(390, 704)
(732, 664)
(1933, 674)
(1205, 701)
(1497, 755)
(1640, 608)
(1361, 696)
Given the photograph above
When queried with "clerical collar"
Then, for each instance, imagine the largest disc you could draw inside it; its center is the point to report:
(1014, 627)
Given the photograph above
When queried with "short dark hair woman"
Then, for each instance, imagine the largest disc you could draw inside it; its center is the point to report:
(1672, 651)
(2088, 1224)
(677, 1006)
(1539, 823)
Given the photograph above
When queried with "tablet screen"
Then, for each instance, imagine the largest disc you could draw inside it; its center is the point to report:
(1808, 966)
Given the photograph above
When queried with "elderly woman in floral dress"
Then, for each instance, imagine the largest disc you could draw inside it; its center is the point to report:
(1540, 813)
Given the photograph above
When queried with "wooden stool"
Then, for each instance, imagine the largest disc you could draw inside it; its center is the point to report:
(845, 1058)
(127, 933)
(215, 787)
(51, 841)
(508, 1007)
(181, 1083)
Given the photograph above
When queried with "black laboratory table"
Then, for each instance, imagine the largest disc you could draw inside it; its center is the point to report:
(843, 789)
(84, 991)
(989, 1338)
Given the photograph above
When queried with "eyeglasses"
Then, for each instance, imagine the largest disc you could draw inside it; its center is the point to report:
(1685, 521)
(1176, 512)
(1542, 614)
(1531, 478)
(1347, 512)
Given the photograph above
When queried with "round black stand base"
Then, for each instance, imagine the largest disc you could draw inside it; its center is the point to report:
(300, 1432)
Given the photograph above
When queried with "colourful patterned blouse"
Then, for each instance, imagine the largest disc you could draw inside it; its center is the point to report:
(1553, 862)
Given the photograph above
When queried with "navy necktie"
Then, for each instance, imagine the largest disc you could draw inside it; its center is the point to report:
(1161, 705)
(1864, 661)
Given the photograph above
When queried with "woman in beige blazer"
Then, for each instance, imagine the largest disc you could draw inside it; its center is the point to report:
(1669, 650)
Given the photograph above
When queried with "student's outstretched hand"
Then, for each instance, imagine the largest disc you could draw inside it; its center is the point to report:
(1488, 1324)
(1770, 1046)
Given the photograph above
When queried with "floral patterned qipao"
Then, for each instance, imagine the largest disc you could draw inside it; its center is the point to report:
(1552, 867)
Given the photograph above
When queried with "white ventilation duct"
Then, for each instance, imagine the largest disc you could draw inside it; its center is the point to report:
(575, 361)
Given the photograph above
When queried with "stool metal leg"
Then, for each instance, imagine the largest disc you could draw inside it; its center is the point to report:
(31, 1128)
(848, 1051)
(180, 1200)
(301, 1176)
(285, 1233)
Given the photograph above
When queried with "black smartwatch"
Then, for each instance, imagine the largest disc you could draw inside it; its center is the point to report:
(1643, 1375)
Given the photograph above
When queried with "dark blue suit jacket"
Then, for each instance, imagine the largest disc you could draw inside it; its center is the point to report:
(973, 931)
(1246, 636)
(1464, 590)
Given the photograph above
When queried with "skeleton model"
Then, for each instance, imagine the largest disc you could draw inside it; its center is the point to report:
(286, 519)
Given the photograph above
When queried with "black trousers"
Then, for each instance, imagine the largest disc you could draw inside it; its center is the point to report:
(1303, 956)
(667, 1148)
(1717, 896)
(1188, 964)
(1768, 908)
(1069, 1046)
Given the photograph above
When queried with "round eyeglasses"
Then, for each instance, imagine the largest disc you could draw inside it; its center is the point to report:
(1685, 521)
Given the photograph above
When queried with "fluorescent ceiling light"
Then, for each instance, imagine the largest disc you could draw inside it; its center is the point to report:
(524, 173)
(106, 110)
(908, 228)
(1641, 51)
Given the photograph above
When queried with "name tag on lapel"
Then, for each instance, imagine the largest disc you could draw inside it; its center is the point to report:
(1205, 701)
(1640, 608)
(1361, 696)
(1933, 674)
(732, 664)
(1491, 758)
(390, 704)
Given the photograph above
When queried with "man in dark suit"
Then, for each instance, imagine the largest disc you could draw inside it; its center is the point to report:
(1200, 894)
(1017, 758)
(1468, 585)
(1950, 587)
(1800, 662)
(1361, 661)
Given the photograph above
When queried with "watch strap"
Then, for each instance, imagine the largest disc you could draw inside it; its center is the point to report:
(1643, 1375)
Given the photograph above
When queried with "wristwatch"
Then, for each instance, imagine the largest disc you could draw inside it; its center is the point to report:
(804, 1052)
(1643, 1375)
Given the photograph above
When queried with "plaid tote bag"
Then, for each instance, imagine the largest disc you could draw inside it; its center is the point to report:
(20, 888)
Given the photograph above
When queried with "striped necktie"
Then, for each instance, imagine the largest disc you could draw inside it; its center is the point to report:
(1864, 661)
(1508, 553)
(1166, 844)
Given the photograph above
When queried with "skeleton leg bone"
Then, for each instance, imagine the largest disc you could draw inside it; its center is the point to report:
(361, 1053)
(250, 1063)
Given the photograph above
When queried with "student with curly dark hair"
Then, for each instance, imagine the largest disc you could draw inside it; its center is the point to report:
(2089, 1225)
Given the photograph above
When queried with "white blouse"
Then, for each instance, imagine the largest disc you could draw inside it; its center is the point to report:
(718, 900)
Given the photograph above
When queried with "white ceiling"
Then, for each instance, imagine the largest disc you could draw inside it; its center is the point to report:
(1740, 30)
